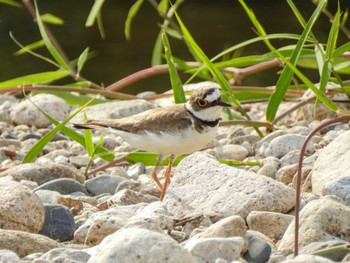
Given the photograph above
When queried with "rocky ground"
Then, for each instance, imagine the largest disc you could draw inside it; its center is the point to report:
(212, 212)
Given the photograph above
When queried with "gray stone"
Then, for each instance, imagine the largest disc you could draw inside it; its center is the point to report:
(136, 170)
(138, 187)
(333, 162)
(282, 145)
(103, 223)
(26, 112)
(7, 256)
(339, 187)
(320, 220)
(140, 245)
(103, 184)
(211, 249)
(259, 250)
(268, 170)
(24, 243)
(40, 173)
(270, 224)
(20, 208)
(59, 223)
(201, 185)
(291, 157)
(64, 186)
(66, 255)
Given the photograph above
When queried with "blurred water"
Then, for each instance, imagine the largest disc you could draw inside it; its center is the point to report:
(215, 25)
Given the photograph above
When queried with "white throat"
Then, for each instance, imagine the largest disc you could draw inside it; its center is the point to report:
(208, 114)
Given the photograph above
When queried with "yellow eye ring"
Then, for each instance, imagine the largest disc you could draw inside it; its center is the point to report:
(202, 103)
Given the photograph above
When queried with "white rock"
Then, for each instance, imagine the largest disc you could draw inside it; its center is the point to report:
(333, 162)
(26, 113)
(212, 249)
(320, 220)
(231, 152)
(282, 145)
(201, 185)
(101, 224)
(339, 187)
(228, 227)
(140, 246)
(9, 256)
(309, 259)
(270, 224)
(20, 208)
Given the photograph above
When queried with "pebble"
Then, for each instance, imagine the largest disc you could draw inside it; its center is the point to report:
(270, 224)
(335, 255)
(282, 145)
(67, 255)
(8, 256)
(48, 196)
(231, 152)
(339, 187)
(103, 184)
(63, 186)
(103, 223)
(259, 250)
(331, 163)
(40, 173)
(136, 170)
(140, 245)
(20, 208)
(59, 223)
(211, 249)
(24, 243)
(227, 227)
(320, 220)
(26, 112)
(202, 185)
(129, 197)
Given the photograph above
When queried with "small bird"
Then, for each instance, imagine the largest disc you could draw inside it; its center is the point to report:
(170, 131)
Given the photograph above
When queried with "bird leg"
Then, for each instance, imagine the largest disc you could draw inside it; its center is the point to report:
(154, 172)
(167, 176)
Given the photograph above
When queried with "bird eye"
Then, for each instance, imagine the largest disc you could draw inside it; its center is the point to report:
(202, 103)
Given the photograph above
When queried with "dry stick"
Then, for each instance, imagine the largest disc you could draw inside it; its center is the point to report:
(300, 163)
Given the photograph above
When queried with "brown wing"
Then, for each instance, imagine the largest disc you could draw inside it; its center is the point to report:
(154, 120)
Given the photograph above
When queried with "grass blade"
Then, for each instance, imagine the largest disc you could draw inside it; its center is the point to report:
(287, 73)
(52, 19)
(132, 12)
(32, 46)
(48, 43)
(95, 10)
(11, 2)
(38, 78)
(175, 80)
(82, 59)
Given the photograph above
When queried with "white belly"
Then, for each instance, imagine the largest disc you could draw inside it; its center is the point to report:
(187, 142)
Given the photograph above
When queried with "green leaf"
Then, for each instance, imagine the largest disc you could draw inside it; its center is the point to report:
(341, 50)
(52, 19)
(100, 25)
(175, 80)
(95, 10)
(132, 12)
(157, 50)
(82, 59)
(149, 159)
(89, 144)
(163, 7)
(11, 2)
(333, 35)
(287, 73)
(32, 46)
(39, 78)
(48, 43)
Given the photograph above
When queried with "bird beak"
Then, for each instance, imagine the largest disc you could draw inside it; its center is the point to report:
(222, 103)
